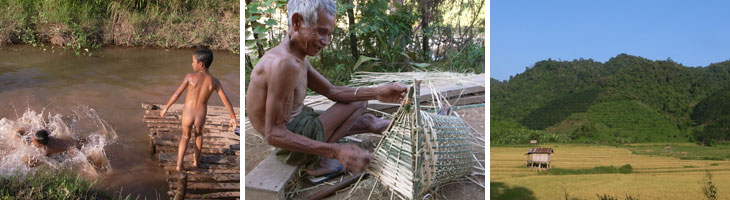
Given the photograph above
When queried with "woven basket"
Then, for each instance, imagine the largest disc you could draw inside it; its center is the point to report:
(420, 150)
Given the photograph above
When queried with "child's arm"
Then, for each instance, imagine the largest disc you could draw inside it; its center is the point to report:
(227, 103)
(176, 95)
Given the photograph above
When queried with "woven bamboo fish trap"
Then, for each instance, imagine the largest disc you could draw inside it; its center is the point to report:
(420, 150)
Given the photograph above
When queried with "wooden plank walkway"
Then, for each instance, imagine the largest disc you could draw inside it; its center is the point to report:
(219, 173)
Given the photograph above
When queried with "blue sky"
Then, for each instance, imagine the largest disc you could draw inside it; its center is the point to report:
(693, 33)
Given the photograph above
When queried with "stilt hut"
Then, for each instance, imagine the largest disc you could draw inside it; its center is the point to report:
(539, 158)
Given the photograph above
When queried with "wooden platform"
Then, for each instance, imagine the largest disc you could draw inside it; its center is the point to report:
(455, 93)
(267, 180)
(219, 173)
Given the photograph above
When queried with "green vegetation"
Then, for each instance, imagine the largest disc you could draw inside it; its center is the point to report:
(83, 26)
(683, 151)
(712, 114)
(709, 189)
(628, 121)
(557, 110)
(381, 36)
(499, 190)
(49, 185)
(639, 101)
(625, 169)
(507, 132)
(609, 197)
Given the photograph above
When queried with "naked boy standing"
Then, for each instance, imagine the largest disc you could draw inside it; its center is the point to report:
(278, 85)
(200, 85)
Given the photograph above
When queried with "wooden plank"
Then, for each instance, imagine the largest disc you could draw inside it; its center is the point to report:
(208, 186)
(218, 176)
(211, 159)
(213, 195)
(178, 106)
(188, 165)
(207, 177)
(166, 139)
(210, 143)
(177, 134)
(268, 179)
(207, 169)
(446, 90)
(209, 122)
(205, 150)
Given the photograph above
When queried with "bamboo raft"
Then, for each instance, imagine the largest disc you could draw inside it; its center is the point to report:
(218, 175)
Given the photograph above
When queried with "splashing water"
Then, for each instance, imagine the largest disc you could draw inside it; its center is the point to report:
(18, 156)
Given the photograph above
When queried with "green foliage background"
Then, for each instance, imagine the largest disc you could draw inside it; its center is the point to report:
(627, 99)
(387, 36)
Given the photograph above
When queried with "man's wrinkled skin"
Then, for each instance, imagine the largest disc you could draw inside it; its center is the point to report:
(278, 87)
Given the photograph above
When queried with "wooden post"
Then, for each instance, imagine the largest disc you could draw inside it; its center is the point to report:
(183, 180)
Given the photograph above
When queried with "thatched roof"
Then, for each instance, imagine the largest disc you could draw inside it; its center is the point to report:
(540, 150)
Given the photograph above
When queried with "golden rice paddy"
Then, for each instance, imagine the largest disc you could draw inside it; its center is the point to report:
(654, 177)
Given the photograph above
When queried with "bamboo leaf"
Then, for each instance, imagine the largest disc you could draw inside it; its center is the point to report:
(250, 43)
(254, 7)
(271, 22)
(362, 60)
(404, 54)
(259, 30)
(254, 18)
(420, 65)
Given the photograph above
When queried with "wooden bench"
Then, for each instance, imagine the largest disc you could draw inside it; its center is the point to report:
(268, 179)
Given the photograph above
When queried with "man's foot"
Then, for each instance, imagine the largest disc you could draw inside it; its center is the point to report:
(179, 169)
(326, 166)
(380, 125)
(325, 171)
(368, 123)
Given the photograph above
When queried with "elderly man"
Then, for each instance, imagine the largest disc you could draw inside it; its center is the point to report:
(279, 82)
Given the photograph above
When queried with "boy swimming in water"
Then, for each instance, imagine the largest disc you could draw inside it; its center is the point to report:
(200, 85)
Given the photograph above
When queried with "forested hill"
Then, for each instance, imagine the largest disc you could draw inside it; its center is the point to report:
(626, 99)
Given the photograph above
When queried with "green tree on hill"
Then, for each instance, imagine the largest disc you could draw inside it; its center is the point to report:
(713, 115)
(541, 96)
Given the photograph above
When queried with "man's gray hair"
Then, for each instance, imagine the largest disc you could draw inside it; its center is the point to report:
(308, 9)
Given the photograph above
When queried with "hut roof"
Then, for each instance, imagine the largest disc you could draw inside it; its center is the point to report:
(540, 151)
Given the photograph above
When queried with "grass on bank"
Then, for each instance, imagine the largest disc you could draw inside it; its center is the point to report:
(83, 26)
(49, 184)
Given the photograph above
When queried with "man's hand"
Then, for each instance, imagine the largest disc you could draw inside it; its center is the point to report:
(392, 92)
(352, 158)
(233, 124)
(162, 113)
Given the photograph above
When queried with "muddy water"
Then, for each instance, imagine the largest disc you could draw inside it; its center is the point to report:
(112, 84)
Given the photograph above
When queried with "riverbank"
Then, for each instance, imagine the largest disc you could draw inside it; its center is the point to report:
(50, 184)
(83, 26)
(113, 82)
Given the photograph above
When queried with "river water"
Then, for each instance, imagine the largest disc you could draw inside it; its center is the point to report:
(98, 98)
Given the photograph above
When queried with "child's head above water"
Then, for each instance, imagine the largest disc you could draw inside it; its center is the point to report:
(203, 55)
(41, 137)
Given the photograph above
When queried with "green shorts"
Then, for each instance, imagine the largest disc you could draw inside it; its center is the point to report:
(308, 125)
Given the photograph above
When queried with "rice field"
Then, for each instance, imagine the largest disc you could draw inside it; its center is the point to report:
(653, 177)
